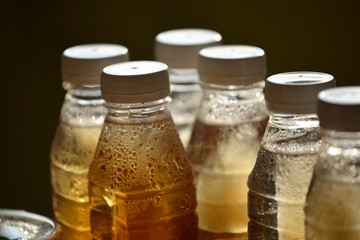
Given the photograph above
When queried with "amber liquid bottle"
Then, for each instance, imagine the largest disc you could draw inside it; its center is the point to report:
(77, 134)
(140, 181)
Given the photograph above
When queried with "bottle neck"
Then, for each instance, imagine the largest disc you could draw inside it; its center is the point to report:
(83, 105)
(137, 110)
(292, 134)
(183, 76)
(284, 120)
(231, 105)
(340, 139)
(83, 93)
(238, 92)
(184, 80)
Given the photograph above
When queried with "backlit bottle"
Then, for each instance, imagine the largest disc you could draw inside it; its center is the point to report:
(333, 202)
(141, 183)
(280, 179)
(179, 50)
(73, 147)
(226, 136)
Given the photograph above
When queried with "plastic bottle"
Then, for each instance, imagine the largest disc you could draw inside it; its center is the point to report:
(81, 119)
(226, 136)
(280, 179)
(19, 224)
(333, 202)
(141, 182)
(179, 50)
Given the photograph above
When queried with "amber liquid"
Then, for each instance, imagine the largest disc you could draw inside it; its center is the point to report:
(223, 157)
(141, 184)
(72, 151)
(205, 235)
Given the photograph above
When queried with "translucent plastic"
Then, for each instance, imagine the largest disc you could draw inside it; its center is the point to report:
(225, 140)
(140, 181)
(332, 208)
(186, 96)
(72, 150)
(18, 224)
(280, 179)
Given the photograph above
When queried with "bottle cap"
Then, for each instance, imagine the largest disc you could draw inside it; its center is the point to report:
(232, 64)
(339, 108)
(83, 64)
(135, 82)
(179, 48)
(296, 92)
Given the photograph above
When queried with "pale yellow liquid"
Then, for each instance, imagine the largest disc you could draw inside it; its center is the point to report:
(292, 178)
(71, 153)
(222, 205)
(141, 184)
(332, 211)
(223, 157)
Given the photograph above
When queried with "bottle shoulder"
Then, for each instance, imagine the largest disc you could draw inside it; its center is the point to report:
(144, 154)
(73, 147)
(291, 140)
(339, 161)
(130, 117)
(230, 110)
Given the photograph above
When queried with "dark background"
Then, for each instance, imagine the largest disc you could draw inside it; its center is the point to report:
(296, 35)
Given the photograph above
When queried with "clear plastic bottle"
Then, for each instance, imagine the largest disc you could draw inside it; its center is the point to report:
(280, 179)
(78, 131)
(179, 50)
(19, 224)
(226, 136)
(333, 201)
(141, 183)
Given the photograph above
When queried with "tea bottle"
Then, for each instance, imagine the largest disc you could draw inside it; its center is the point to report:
(81, 119)
(179, 50)
(141, 182)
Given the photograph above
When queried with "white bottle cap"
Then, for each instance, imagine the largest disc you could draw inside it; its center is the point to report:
(339, 108)
(83, 64)
(179, 48)
(135, 82)
(232, 64)
(296, 92)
